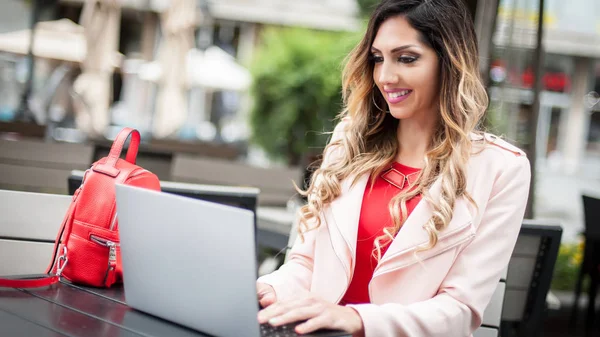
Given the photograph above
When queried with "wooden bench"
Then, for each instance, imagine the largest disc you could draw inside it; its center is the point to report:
(28, 228)
(38, 166)
(275, 184)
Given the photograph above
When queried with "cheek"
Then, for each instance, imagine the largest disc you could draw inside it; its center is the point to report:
(423, 77)
(425, 82)
(376, 74)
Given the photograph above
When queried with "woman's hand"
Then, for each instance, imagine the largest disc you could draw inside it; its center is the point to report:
(317, 313)
(266, 294)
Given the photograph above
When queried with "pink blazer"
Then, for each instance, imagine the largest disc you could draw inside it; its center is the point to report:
(439, 292)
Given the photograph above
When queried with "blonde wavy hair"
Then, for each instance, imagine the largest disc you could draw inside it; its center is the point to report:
(368, 143)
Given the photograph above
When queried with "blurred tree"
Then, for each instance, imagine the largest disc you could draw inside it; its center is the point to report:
(367, 6)
(296, 91)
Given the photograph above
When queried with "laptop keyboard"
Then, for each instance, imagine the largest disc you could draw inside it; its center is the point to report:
(267, 330)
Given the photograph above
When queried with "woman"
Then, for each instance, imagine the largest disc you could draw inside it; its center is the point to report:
(414, 214)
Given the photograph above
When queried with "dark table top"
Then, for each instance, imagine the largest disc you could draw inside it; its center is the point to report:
(64, 309)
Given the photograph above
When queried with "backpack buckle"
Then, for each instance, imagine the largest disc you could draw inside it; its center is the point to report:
(62, 262)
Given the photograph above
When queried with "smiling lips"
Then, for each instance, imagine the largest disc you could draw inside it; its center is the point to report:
(397, 96)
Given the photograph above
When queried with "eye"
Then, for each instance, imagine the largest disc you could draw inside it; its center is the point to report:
(375, 58)
(407, 59)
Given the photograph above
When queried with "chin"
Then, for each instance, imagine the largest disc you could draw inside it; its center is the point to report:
(401, 113)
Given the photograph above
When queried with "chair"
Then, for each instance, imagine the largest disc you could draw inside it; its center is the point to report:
(38, 166)
(275, 184)
(243, 197)
(28, 228)
(272, 223)
(528, 279)
(277, 196)
(490, 325)
(590, 265)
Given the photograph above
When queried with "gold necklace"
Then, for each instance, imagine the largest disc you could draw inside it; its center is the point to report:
(397, 178)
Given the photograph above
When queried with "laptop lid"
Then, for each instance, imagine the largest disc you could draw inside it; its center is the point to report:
(189, 261)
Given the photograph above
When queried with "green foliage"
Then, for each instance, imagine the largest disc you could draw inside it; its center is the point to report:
(367, 6)
(296, 90)
(567, 266)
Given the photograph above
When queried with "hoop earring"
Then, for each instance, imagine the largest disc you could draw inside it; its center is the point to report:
(377, 106)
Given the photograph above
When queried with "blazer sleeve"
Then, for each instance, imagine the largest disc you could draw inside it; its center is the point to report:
(458, 307)
(295, 276)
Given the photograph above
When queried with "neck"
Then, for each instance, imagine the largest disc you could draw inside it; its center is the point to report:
(414, 137)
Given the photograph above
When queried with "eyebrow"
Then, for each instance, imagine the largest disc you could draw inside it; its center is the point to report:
(397, 49)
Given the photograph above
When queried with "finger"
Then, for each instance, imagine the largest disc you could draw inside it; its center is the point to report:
(262, 291)
(296, 314)
(266, 299)
(279, 308)
(262, 288)
(322, 321)
(271, 311)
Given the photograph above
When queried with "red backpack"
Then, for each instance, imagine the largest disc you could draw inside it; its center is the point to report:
(87, 250)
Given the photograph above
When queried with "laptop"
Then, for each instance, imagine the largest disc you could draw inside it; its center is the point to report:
(192, 262)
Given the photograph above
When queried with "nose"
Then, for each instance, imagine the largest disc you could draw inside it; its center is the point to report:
(386, 74)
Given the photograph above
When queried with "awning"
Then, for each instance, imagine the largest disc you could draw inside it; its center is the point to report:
(61, 40)
(212, 69)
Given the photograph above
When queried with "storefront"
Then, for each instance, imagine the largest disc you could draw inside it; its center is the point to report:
(568, 130)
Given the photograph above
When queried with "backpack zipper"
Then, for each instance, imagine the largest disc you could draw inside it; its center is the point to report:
(113, 222)
(112, 258)
(103, 242)
(112, 247)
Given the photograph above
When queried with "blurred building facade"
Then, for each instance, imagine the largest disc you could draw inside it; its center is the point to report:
(568, 129)
(568, 137)
(234, 27)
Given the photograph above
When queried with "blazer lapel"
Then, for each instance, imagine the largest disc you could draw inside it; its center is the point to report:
(412, 235)
(345, 212)
(343, 223)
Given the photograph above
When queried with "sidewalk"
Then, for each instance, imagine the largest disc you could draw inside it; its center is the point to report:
(558, 197)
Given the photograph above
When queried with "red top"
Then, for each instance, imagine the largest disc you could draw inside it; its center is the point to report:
(374, 217)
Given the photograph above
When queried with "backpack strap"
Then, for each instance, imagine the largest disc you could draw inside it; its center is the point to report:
(59, 262)
(109, 167)
(29, 283)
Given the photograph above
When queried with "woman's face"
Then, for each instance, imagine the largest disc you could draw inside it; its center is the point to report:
(406, 70)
